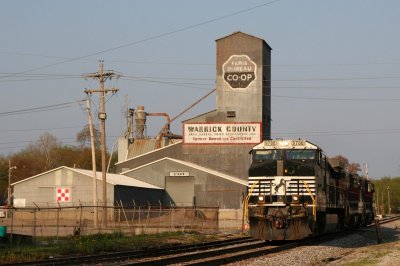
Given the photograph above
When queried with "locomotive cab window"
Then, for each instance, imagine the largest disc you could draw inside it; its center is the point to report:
(300, 155)
(267, 155)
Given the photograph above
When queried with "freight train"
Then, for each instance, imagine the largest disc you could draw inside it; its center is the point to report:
(296, 191)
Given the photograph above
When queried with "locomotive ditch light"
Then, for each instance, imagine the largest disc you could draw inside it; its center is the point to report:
(260, 198)
(295, 198)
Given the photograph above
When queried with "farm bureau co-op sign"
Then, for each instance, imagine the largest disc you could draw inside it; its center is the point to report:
(222, 133)
(239, 71)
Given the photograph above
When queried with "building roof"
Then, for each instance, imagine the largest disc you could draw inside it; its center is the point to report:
(197, 167)
(152, 151)
(242, 33)
(113, 179)
(141, 146)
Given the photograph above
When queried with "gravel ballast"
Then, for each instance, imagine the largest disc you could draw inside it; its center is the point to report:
(359, 248)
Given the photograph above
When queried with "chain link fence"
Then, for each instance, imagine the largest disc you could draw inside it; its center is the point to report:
(80, 220)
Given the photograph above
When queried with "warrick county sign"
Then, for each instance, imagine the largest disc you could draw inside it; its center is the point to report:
(222, 133)
(239, 71)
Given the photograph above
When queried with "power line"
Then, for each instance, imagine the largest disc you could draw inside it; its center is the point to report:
(338, 99)
(341, 132)
(33, 79)
(335, 87)
(291, 97)
(336, 79)
(153, 78)
(40, 129)
(198, 64)
(151, 38)
(38, 109)
(72, 140)
(42, 75)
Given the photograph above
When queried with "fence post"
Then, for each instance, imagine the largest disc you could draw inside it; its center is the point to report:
(217, 218)
(203, 221)
(140, 224)
(126, 218)
(378, 231)
(171, 224)
(58, 218)
(134, 210)
(196, 213)
(34, 225)
(80, 218)
(159, 218)
(148, 216)
(12, 225)
(119, 215)
(193, 212)
(34, 222)
(184, 214)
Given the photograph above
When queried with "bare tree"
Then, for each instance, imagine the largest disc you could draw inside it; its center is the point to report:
(349, 167)
(47, 146)
(83, 137)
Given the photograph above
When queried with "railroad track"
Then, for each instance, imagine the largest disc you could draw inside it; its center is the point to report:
(211, 253)
(387, 220)
(216, 256)
(138, 254)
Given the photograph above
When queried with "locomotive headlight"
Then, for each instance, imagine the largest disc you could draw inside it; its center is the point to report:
(260, 198)
(295, 198)
(283, 143)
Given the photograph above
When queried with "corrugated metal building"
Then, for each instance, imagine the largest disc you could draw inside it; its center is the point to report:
(70, 186)
(210, 166)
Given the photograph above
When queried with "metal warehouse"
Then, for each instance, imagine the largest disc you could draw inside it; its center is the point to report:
(209, 165)
(66, 186)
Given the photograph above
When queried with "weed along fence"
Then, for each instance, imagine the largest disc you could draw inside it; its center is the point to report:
(79, 220)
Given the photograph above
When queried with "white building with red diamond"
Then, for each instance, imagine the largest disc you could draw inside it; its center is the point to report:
(65, 186)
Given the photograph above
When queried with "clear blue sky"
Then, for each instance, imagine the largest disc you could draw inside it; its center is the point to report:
(335, 67)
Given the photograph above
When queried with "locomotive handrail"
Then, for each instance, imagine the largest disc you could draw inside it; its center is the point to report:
(246, 201)
(313, 200)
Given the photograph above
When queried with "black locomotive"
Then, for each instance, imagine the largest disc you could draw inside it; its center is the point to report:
(295, 191)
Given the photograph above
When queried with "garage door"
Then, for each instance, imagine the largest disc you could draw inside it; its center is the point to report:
(180, 189)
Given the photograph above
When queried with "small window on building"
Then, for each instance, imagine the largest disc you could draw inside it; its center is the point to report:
(231, 114)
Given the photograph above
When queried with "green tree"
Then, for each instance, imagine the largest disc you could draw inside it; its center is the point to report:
(382, 192)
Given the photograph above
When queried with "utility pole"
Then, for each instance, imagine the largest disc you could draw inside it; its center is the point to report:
(10, 168)
(102, 77)
(92, 144)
